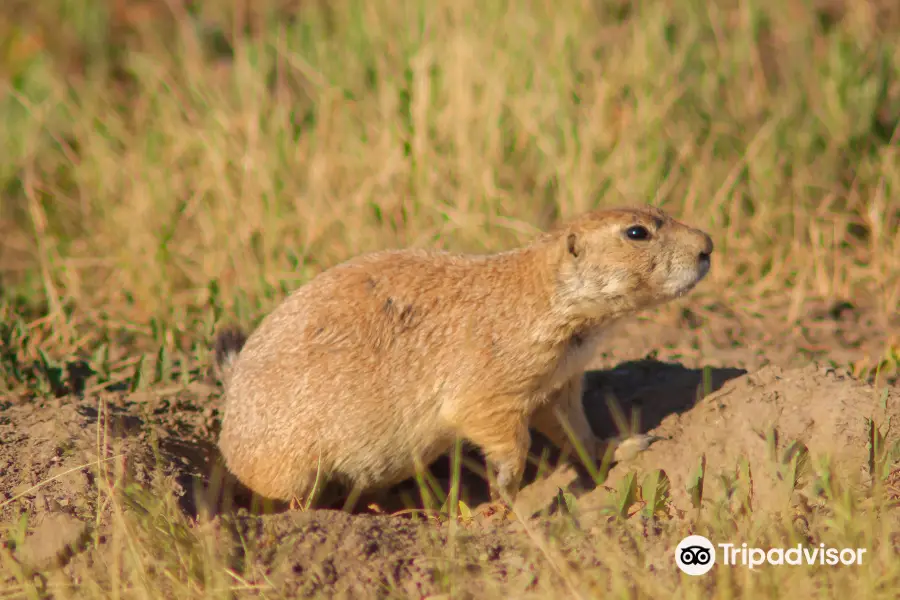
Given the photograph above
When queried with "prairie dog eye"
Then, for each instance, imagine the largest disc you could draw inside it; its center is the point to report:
(637, 233)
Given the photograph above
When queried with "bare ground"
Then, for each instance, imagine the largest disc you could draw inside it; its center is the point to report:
(769, 391)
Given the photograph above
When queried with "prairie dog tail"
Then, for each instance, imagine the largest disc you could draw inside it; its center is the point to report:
(228, 345)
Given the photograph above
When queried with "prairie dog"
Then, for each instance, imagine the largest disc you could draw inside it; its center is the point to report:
(374, 367)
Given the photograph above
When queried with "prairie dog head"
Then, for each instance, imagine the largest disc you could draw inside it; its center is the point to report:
(623, 260)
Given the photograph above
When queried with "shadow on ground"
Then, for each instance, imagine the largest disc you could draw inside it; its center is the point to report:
(633, 397)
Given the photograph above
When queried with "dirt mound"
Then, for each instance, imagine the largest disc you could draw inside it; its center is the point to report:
(332, 552)
(769, 429)
(772, 427)
(52, 451)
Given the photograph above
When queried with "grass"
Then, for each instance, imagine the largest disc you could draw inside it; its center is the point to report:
(167, 167)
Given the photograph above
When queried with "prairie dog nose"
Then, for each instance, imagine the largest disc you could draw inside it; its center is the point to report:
(706, 247)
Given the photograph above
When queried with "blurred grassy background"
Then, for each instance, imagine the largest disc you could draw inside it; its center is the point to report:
(166, 164)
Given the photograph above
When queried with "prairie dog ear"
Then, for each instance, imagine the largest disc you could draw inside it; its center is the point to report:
(574, 244)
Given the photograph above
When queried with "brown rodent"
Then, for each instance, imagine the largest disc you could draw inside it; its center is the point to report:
(374, 367)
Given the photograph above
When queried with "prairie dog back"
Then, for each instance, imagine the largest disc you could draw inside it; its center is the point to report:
(371, 369)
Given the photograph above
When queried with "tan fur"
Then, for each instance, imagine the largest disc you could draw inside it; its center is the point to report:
(376, 365)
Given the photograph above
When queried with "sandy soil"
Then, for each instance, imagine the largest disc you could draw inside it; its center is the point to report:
(768, 392)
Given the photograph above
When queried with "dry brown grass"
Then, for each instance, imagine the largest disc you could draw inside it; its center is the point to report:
(135, 181)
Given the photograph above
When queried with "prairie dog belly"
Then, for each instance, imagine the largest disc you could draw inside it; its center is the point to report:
(388, 450)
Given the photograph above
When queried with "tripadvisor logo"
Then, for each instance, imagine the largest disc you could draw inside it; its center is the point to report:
(696, 555)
